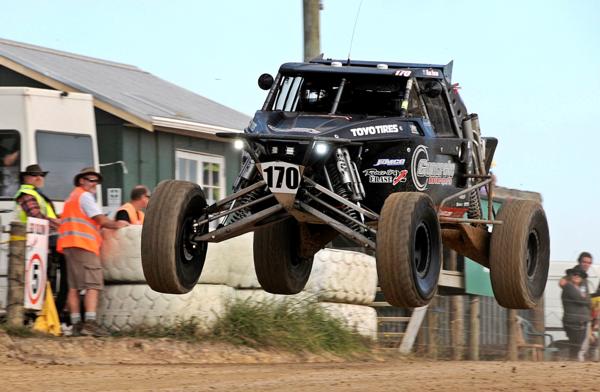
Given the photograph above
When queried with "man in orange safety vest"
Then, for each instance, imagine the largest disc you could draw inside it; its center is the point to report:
(132, 211)
(79, 239)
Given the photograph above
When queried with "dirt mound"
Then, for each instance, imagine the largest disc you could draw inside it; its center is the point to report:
(86, 350)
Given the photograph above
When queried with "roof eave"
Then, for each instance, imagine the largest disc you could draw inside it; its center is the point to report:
(191, 128)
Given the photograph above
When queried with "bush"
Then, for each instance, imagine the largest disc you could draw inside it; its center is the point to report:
(288, 325)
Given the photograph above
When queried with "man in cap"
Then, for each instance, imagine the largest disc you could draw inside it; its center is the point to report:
(31, 202)
(584, 261)
(79, 239)
(30, 199)
(577, 312)
(132, 211)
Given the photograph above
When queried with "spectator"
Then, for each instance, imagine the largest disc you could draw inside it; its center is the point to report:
(584, 261)
(31, 202)
(9, 164)
(80, 241)
(577, 311)
(132, 211)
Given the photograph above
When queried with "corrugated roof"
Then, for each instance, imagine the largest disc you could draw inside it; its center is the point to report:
(125, 87)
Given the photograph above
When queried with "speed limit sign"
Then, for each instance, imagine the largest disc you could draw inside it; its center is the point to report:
(36, 258)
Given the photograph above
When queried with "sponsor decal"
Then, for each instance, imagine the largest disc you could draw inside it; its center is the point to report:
(401, 177)
(404, 73)
(453, 212)
(430, 173)
(390, 162)
(431, 72)
(385, 176)
(375, 130)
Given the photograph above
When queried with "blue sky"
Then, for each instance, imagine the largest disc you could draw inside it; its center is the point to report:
(530, 69)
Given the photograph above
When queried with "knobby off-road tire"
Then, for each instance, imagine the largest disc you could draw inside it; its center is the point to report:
(520, 254)
(409, 249)
(171, 262)
(279, 267)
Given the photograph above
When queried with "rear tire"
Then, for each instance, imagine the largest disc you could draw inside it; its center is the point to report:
(409, 249)
(172, 263)
(279, 267)
(520, 254)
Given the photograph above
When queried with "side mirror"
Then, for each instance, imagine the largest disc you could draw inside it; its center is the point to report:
(265, 81)
(433, 89)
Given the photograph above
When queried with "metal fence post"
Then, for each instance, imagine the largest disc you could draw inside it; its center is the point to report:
(16, 274)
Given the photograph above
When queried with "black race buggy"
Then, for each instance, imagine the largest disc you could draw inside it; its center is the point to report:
(383, 154)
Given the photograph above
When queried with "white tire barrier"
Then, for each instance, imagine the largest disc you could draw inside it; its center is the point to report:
(231, 262)
(121, 255)
(261, 296)
(343, 276)
(359, 318)
(126, 306)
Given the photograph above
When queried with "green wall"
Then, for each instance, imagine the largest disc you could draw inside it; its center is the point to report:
(150, 156)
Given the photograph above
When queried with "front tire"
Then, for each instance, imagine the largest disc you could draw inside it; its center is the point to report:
(280, 268)
(171, 261)
(520, 254)
(409, 250)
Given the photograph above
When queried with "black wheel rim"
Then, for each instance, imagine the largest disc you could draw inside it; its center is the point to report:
(533, 246)
(189, 248)
(422, 250)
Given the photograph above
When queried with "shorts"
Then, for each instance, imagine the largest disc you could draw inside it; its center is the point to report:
(84, 270)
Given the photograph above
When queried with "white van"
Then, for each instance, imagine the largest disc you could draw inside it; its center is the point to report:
(552, 303)
(54, 129)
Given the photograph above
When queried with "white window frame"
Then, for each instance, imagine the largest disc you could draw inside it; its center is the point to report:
(201, 158)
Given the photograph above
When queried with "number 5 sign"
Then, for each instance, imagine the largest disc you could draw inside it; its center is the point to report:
(36, 259)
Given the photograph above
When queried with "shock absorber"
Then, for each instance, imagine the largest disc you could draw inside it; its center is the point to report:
(246, 174)
(340, 188)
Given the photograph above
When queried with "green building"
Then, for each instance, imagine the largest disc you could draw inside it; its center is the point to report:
(148, 129)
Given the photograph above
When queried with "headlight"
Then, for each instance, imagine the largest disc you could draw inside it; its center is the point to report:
(321, 148)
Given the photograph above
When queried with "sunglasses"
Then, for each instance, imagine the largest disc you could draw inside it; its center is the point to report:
(96, 180)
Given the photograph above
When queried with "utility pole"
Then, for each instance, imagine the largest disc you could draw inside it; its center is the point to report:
(312, 43)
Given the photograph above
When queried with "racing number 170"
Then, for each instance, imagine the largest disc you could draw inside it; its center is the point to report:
(276, 175)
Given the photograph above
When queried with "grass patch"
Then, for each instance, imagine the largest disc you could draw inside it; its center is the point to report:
(24, 331)
(288, 325)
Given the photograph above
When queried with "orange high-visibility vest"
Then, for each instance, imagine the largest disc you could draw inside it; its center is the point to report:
(135, 217)
(77, 230)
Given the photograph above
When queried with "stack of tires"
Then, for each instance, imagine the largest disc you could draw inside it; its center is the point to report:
(342, 282)
(345, 283)
(128, 302)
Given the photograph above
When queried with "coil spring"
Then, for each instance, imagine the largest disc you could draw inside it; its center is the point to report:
(244, 212)
(340, 189)
(474, 211)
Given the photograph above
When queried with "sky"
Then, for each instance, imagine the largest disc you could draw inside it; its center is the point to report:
(530, 69)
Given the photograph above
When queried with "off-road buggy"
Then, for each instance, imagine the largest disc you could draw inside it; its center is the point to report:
(383, 154)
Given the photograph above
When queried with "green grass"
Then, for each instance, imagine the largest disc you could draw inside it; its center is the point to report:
(22, 332)
(282, 325)
(291, 326)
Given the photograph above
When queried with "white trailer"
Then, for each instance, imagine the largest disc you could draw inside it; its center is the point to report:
(54, 129)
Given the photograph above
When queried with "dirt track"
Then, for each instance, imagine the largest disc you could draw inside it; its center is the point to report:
(85, 364)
